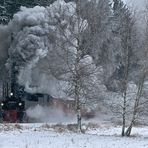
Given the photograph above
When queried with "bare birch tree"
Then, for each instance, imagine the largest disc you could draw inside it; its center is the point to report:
(138, 103)
(74, 67)
(125, 29)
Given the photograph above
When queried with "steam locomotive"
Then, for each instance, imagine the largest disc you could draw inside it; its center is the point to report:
(13, 105)
(12, 109)
(15, 100)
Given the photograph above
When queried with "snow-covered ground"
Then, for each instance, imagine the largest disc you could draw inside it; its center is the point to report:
(42, 136)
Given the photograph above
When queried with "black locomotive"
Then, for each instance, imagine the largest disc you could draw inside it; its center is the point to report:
(12, 104)
(13, 110)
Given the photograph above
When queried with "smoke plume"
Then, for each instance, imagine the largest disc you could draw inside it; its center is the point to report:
(29, 39)
(40, 113)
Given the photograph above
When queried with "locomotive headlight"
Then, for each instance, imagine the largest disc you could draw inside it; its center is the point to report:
(20, 104)
(11, 94)
(2, 104)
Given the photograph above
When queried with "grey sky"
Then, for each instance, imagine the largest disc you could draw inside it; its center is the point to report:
(137, 4)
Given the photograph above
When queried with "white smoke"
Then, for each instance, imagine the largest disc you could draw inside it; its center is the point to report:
(48, 114)
(34, 31)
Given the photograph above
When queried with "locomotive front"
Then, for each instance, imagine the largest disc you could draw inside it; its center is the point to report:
(12, 109)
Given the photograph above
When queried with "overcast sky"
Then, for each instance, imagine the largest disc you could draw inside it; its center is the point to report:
(137, 4)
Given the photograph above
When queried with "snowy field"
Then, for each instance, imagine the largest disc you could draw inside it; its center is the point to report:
(43, 136)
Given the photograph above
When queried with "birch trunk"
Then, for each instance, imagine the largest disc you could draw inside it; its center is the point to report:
(136, 104)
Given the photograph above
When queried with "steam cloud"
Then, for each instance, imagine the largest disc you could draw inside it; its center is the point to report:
(48, 114)
(29, 39)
